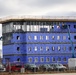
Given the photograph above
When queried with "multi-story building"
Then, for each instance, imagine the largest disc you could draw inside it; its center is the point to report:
(38, 40)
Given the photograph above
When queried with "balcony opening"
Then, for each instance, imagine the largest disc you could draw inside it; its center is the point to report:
(75, 26)
(59, 59)
(18, 37)
(53, 59)
(74, 37)
(18, 48)
(75, 48)
(29, 59)
(64, 59)
(42, 59)
(64, 26)
(18, 59)
(70, 48)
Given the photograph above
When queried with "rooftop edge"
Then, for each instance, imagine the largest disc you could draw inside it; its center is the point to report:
(39, 18)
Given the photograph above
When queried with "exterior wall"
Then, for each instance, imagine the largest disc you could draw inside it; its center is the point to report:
(57, 39)
(13, 58)
(50, 57)
(24, 37)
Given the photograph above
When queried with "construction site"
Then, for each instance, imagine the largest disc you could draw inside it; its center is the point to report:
(39, 40)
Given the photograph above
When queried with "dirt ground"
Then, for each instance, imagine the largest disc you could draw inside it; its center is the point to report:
(51, 72)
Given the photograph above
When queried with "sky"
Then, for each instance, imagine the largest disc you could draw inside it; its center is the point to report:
(36, 8)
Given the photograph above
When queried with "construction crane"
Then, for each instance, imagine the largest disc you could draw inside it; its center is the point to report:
(69, 37)
(71, 41)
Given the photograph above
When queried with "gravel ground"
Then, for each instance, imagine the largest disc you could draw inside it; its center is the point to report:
(41, 73)
(38, 74)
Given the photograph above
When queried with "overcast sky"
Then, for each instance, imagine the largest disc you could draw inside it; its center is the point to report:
(37, 8)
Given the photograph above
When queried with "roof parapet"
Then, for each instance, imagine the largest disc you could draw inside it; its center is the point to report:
(5, 19)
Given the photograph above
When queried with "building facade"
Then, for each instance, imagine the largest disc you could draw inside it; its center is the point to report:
(39, 41)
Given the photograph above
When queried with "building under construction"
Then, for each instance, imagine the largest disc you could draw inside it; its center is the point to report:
(39, 40)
